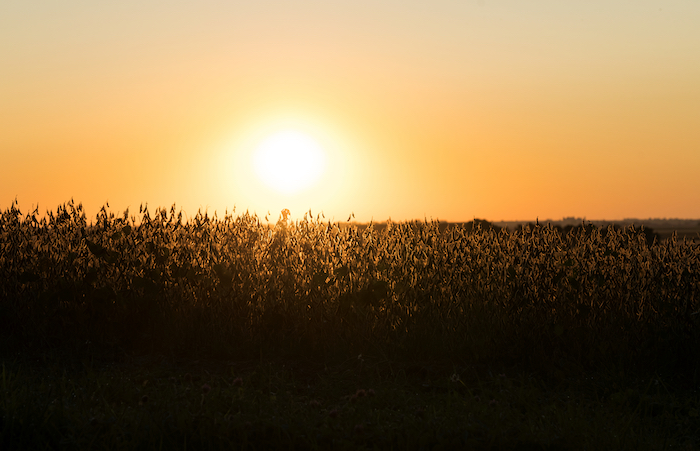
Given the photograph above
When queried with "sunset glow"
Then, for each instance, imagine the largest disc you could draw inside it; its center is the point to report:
(500, 110)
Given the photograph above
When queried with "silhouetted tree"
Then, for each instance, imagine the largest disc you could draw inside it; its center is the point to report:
(484, 224)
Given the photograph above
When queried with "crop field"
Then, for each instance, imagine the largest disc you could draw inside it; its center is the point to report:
(153, 331)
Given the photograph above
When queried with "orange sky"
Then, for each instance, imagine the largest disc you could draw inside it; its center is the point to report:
(448, 110)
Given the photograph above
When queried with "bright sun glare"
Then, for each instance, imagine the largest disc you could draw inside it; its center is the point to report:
(289, 161)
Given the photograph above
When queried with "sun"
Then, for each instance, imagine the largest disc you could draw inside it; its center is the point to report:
(289, 161)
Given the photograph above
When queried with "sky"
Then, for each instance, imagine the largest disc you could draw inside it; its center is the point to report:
(441, 109)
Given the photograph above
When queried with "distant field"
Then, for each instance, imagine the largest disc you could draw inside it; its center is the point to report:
(684, 228)
(689, 229)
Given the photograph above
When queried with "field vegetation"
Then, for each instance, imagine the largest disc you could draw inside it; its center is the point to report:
(154, 331)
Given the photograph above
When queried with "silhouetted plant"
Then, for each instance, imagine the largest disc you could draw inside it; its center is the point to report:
(235, 285)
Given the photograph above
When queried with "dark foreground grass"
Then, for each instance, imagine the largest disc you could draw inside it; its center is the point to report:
(410, 337)
(362, 403)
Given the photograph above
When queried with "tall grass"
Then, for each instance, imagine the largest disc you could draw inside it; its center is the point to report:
(237, 287)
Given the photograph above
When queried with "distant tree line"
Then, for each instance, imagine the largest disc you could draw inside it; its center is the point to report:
(483, 224)
(587, 229)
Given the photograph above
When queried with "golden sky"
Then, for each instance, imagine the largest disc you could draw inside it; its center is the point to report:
(450, 110)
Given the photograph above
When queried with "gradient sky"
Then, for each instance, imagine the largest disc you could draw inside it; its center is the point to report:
(502, 110)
